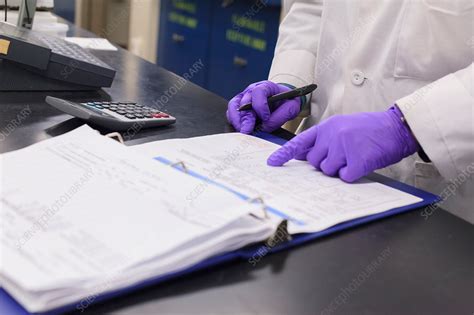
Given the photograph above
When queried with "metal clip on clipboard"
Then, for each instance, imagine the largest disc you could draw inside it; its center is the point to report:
(281, 234)
(182, 164)
(116, 136)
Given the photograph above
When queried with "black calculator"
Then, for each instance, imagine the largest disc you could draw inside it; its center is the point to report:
(113, 115)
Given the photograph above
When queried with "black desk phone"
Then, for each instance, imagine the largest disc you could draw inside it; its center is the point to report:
(32, 61)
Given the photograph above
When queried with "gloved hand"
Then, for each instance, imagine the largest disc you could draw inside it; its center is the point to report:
(351, 146)
(257, 94)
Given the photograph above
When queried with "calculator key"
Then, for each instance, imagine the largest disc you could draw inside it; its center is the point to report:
(130, 116)
(105, 106)
(115, 103)
(121, 112)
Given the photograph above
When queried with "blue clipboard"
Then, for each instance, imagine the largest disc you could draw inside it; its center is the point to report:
(9, 306)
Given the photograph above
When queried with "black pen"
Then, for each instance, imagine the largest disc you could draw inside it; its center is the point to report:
(284, 96)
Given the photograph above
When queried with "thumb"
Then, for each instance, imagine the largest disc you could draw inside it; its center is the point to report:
(296, 146)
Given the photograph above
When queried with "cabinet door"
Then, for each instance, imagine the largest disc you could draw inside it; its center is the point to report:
(65, 9)
(243, 39)
(184, 37)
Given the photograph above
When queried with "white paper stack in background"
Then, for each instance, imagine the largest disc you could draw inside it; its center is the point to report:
(92, 43)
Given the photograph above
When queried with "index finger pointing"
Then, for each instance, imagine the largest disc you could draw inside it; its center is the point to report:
(296, 146)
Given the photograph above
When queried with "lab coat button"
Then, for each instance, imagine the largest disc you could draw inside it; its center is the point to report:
(358, 77)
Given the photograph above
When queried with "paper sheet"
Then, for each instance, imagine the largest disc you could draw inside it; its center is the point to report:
(92, 43)
(311, 200)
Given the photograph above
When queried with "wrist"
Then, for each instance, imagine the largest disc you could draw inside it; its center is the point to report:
(303, 99)
(407, 138)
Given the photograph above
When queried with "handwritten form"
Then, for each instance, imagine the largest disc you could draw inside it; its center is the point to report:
(311, 200)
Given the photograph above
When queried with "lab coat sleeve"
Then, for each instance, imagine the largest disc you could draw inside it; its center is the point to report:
(295, 53)
(441, 118)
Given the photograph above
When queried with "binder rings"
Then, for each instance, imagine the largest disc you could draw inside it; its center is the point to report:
(283, 242)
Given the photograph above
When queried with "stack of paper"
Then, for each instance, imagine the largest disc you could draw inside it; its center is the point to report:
(92, 43)
(81, 213)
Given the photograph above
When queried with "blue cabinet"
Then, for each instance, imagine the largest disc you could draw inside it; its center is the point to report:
(184, 37)
(242, 45)
(234, 39)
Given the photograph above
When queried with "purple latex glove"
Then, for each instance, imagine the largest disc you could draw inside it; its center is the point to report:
(351, 146)
(257, 94)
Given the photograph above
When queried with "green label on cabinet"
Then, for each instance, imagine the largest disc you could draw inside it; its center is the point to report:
(186, 6)
(246, 40)
(181, 19)
(239, 21)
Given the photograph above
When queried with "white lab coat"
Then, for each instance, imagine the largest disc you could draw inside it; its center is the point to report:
(366, 55)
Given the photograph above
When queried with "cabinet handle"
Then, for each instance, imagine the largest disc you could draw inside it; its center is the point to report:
(177, 38)
(240, 62)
